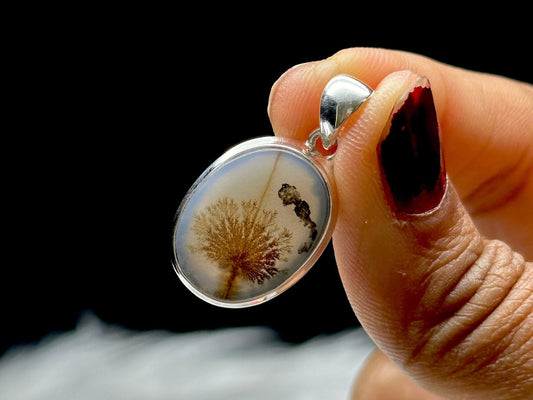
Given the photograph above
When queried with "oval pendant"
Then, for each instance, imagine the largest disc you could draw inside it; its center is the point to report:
(260, 216)
(254, 223)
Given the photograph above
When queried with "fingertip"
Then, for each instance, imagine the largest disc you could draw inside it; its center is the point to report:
(294, 100)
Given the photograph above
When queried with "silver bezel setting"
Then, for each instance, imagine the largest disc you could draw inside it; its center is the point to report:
(322, 167)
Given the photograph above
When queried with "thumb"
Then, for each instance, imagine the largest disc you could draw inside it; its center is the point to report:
(486, 123)
(455, 311)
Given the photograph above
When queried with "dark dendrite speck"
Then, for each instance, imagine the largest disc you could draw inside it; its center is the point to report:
(290, 195)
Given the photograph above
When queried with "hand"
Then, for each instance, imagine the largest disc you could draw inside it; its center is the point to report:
(431, 249)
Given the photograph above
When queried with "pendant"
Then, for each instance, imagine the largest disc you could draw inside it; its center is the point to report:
(261, 215)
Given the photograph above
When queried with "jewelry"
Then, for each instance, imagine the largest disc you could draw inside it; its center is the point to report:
(260, 216)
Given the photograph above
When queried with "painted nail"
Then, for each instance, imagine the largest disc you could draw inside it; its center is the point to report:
(410, 154)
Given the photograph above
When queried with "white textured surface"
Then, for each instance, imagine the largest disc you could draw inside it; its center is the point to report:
(97, 361)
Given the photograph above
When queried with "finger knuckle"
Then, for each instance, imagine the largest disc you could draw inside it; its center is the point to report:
(483, 324)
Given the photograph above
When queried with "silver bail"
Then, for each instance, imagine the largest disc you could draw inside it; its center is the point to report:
(341, 97)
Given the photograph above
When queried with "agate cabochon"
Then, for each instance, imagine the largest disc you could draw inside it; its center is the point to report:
(253, 223)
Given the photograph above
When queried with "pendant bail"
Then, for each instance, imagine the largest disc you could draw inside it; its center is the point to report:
(341, 97)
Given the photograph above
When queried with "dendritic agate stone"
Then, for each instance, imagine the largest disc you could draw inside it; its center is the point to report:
(253, 223)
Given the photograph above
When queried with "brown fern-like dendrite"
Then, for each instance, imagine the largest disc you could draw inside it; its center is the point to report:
(243, 240)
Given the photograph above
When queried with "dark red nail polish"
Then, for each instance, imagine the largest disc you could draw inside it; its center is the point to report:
(410, 153)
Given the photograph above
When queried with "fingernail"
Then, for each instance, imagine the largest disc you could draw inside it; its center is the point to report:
(410, 153)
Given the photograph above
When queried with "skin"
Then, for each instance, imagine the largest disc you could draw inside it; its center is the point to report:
(447, 295)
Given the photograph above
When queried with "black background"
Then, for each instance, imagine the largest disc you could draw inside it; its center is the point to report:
(116, 114)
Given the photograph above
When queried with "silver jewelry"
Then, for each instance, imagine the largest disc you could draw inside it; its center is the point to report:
(261, 215)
